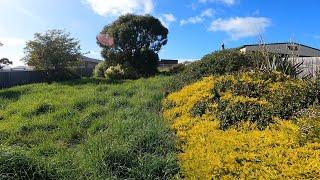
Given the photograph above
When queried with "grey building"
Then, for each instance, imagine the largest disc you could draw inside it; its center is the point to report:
(309, 56)
(88, 63)
(167, 62)
(284, 49)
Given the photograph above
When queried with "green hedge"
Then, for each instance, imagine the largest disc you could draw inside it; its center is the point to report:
(217, 63)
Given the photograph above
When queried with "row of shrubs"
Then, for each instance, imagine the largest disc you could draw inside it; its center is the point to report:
(230, 61)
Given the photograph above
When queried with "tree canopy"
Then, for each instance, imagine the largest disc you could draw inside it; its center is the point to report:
(134, 40)
(52, 50)
(133, 32)
(4, 61)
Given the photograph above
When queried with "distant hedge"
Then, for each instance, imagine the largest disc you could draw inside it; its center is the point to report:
(231, 61)
(216, 63)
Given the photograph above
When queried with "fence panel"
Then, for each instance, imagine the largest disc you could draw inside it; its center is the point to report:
(13, 78)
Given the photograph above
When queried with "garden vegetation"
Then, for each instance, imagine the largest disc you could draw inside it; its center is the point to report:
(246, 125)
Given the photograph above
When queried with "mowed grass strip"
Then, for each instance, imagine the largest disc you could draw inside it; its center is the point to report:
(87, 129)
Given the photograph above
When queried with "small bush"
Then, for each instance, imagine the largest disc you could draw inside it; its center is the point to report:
(115, 73)
(100, 69)
(61, 75)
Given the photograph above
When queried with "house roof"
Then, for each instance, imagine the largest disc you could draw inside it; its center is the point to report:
(88, 59)
(281, 44)
(169, 61)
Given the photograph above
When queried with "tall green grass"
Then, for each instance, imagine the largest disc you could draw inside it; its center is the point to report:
(86, 129)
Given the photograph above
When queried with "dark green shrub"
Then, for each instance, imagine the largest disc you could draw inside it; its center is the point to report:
(217, 63)
(233, 113)
(61, 75)
(145, 63)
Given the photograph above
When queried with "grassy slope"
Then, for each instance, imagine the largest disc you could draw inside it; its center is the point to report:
(86, 129)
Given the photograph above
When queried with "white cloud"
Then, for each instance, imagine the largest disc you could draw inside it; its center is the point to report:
(167, 19)
(240, 27)
(11, 42)
(120, 7)
(198, 19)
(227, 2)
(207, 13)
(191, 20)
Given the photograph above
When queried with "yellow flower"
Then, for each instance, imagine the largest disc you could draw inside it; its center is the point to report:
(242, 152)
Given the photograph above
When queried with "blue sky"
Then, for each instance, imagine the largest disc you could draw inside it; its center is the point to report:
(196, 27)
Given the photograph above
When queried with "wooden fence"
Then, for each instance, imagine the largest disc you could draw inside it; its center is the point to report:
(14, 78)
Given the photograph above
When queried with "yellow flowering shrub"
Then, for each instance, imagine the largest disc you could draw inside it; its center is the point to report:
(242, 151)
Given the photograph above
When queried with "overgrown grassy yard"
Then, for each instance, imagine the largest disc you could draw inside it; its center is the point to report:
(88, 129)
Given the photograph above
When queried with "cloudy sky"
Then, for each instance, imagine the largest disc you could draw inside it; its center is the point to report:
(196, 27)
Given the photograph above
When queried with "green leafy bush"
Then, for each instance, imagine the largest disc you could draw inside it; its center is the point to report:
(119, 72)
(100, 69)
(115, 72)
(61, 75)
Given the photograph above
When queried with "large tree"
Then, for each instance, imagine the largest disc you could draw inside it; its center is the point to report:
(134, 40)
(53, 50)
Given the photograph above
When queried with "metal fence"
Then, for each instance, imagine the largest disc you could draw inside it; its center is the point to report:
(14, 78)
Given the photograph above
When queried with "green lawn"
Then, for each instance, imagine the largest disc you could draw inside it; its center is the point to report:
(88, 129)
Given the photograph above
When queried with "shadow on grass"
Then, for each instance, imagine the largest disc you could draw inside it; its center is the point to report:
(12, 94)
